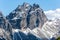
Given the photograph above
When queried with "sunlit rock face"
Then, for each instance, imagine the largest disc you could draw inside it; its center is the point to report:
(27, 16)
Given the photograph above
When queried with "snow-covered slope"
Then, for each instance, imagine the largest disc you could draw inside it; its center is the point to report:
(51, 28)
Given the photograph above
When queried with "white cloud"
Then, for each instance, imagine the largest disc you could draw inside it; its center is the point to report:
(52, 14)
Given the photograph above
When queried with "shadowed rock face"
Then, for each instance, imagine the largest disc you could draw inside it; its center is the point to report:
(27, 16)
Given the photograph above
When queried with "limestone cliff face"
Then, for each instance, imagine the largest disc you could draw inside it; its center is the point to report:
(27, 16)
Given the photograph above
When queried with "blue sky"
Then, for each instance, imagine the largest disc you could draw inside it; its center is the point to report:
(6, 6)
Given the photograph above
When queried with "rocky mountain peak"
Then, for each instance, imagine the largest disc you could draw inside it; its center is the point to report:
(27, 15)
(26, 4)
